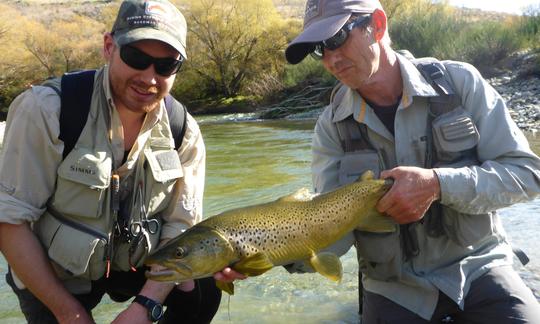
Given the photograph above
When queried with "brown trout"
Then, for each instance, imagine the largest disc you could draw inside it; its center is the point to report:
(253, 239)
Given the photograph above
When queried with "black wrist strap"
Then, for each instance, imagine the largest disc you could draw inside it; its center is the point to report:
(155, 309)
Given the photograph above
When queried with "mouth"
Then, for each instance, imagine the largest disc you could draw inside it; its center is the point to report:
(342, 70)
(164, 276)
(160, 273)
(144, 93)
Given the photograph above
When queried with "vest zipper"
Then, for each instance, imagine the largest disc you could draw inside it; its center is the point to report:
(78, 226)
(83, 228)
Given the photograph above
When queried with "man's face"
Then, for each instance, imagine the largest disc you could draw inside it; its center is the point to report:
(138, 90)
(355, 62)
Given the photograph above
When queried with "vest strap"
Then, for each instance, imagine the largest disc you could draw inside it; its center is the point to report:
(76, 92)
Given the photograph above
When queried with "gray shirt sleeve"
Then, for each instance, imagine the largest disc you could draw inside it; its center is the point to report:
(508, 172)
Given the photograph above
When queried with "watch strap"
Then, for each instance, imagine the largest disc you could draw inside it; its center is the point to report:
(155, 309)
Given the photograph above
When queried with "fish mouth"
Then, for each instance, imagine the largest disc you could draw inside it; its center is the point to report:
(172, 272)
(169, 274)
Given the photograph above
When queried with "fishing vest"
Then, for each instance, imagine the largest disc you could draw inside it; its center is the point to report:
(85, 229)
(451, 139)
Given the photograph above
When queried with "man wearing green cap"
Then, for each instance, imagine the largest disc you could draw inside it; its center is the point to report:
(78, 223)
(446, 139)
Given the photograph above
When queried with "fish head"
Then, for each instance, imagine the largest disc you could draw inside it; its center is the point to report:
(199, 252)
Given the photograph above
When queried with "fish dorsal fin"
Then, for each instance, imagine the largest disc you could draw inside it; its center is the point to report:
(375, 222)
(328, 265)
(367, 175)
(302, 194)
(227, 287)
(254, 265)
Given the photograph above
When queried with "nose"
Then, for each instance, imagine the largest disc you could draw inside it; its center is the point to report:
(149, 75)
(331, 57)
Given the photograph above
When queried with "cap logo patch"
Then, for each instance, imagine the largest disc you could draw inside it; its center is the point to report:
(312, 9)
(156, 14)
(154, 8)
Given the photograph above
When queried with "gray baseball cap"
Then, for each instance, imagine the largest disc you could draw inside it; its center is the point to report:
(150, 19)
(322, 20)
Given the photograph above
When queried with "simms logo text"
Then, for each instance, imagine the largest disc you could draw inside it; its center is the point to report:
(78, 169)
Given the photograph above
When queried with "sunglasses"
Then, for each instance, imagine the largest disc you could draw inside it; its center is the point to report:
(139, 60)
(336, 41)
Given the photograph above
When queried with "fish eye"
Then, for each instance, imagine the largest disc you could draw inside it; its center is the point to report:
(181, 252)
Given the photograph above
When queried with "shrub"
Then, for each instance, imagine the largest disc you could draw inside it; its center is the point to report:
(486, 43)
(308, 69)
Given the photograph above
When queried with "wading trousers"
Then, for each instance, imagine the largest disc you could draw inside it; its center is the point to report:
(498, 297)
(197, 306)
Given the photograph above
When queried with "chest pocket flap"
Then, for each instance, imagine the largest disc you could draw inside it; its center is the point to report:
(455, 131)
(165, 165)
(82, 180)
(92, 169)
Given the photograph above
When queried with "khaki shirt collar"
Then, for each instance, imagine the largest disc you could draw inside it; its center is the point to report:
(414, 85)
(116, 132)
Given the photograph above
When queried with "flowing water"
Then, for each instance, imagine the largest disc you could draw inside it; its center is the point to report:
(250, 162)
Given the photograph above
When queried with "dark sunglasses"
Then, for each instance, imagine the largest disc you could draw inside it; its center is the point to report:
(139, 60)
(340, 37)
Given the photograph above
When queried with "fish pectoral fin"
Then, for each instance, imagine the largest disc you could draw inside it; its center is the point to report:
(376, 222)
(327, 264)
(227, 287)
(302, 194)
(254, 265)
(367, 175)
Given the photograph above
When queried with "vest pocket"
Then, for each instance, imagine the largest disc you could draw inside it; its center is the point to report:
(77, 249)
(353, 165)
(454, 136)
(465, 229)
(165, 169)
(83, 178)
(379, 263)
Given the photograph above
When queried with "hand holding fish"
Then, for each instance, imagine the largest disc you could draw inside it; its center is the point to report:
(228, 275)
(414, 190)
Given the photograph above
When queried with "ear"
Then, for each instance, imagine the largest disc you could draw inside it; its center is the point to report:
(379, 23)
(108, 46)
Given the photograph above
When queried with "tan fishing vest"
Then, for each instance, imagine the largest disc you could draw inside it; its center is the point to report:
(78, 228)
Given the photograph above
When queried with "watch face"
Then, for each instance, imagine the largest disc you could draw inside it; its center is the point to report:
(156, 312)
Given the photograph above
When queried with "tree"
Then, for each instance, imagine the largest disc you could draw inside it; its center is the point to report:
(78, 47)
(63, 46)
(16, 66)
(232, 42)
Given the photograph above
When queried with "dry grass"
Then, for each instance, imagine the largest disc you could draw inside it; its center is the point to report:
(46, 10)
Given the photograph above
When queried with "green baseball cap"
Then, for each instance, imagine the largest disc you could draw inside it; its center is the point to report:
(155, 19)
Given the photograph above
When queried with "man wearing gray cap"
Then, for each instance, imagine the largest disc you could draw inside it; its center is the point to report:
(446, 139)
(78, 220)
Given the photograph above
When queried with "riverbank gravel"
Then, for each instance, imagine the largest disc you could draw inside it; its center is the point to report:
(519, 85)
(522, 96)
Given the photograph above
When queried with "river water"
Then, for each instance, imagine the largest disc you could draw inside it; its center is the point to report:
(250, 162)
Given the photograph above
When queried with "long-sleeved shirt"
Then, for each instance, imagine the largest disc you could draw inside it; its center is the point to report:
(507, 172)
(32, 153)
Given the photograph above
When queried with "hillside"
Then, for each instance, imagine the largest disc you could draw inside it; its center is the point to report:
(45, 10)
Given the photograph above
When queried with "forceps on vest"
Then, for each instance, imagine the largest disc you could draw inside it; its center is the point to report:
(150, 225)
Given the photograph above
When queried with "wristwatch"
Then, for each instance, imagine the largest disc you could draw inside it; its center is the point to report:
(155, 309)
